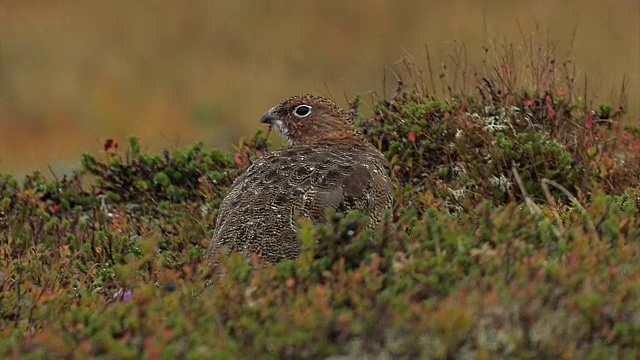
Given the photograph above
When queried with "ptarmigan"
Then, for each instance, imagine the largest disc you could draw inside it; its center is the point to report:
(328, 164)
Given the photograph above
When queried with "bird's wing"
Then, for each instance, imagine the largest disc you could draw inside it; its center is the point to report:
(292, 183)
(330, 180)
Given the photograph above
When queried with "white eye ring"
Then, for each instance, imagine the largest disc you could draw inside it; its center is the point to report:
(302, 111)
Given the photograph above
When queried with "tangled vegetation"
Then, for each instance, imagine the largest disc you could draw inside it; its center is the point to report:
(515, 234)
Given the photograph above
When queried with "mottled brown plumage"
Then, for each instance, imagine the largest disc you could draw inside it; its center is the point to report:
(327, 164)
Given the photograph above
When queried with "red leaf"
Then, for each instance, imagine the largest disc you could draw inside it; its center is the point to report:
(110, 144)
(588, 123)
(238, 159)
(503, 68)
(411, 136)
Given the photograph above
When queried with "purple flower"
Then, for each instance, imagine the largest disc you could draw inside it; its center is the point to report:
(123, 294)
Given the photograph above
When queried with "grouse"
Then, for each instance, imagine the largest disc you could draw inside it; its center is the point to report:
(327, 164)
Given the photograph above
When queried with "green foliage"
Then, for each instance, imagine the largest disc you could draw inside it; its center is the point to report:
(475, 260)
(463, 151)
(137, 177)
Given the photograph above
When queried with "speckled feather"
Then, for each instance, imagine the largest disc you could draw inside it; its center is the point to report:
(327, 164)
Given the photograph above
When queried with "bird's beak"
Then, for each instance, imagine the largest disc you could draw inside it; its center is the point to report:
(269, 117)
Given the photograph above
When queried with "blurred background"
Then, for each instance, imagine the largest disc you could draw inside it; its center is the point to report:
(74, 73)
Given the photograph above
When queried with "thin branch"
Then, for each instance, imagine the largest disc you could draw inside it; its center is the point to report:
(573, 200)
(533, 208)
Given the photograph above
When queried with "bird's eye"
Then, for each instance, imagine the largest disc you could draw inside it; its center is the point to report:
(302, 111)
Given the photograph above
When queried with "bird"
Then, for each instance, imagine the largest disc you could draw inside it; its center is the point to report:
(327, 164)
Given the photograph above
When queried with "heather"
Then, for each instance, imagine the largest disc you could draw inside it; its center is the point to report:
(514, 234)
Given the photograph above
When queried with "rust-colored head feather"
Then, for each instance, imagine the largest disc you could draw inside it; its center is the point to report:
(307, 119)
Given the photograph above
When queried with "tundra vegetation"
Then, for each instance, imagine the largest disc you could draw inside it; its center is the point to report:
(515, 233)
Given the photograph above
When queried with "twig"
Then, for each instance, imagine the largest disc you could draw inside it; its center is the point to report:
(433, 84)
(54, 174)
(533, 208)
(574, 200)
(552, 202)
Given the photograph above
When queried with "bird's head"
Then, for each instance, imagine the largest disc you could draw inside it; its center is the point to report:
(309, 119)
